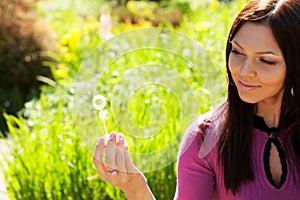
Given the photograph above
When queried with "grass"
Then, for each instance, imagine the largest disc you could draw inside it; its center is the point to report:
(54, 136)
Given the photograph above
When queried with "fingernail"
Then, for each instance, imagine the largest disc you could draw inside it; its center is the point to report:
(99, 141)
(121, 137)
(112, 136)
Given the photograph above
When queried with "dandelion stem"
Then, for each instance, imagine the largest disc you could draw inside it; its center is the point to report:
(104, 124)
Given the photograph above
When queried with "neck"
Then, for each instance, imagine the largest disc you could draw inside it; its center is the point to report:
(270, 113)
(270, 109)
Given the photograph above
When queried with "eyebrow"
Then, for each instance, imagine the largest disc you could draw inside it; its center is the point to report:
(261, 52)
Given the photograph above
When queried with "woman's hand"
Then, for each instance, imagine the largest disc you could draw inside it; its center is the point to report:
(112, 161)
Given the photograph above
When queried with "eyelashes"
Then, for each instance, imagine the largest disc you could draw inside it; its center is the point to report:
(267, 61)
(234, 51)
(263, 60)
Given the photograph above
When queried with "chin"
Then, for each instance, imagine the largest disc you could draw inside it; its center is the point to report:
(248, 100)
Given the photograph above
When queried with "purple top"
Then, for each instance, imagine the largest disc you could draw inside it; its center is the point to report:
(200, 176)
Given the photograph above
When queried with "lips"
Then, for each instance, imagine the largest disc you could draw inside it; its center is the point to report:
(247, 86)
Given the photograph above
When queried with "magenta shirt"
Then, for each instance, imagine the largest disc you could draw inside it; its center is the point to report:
(202, 178)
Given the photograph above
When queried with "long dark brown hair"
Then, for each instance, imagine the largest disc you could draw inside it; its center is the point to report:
(283, 17)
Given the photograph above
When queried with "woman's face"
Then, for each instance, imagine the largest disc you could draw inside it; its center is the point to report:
(257, 65)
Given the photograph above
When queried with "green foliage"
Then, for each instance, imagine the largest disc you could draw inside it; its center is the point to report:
(67, 14)
(49, 159)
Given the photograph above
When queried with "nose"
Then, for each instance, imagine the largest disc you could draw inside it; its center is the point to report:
(248, 68)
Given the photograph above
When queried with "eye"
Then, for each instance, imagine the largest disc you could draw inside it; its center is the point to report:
(268, 62)
(236, 52)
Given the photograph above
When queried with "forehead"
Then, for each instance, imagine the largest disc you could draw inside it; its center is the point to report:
(257, 37)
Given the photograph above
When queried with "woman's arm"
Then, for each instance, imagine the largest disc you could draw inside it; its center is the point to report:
(112, 161)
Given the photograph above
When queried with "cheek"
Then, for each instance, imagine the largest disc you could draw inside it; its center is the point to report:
(233, 66)
(277, 81)
(273, 78)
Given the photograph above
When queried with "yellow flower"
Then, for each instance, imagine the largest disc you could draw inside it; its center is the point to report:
(91, 25)
(76, 35)
(203, 26)
(63, 49)
(213, 5)
(69, 57)
(142, 8)
(65, 39)
(61, 71)
(72, 38)
(145, 24)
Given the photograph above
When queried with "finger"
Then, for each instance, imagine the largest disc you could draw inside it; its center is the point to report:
(97, 157)
(121, 154)
(99, 149)
(110, 155)
(128, 163)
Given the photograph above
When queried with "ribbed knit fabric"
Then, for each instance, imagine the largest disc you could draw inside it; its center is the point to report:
(202, 178)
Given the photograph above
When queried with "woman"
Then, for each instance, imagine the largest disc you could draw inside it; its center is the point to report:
(256, 155)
